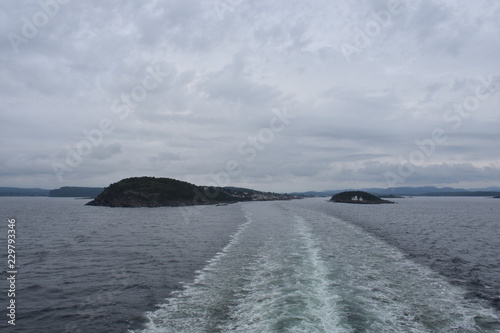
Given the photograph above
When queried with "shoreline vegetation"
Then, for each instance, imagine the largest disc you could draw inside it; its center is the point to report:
(167, 192)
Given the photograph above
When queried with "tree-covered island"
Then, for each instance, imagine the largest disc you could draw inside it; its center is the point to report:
(358, 197)
(161, 192)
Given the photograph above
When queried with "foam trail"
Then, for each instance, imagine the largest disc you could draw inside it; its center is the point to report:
(199, 306)
(289, 268)
(289, 290)
(382, 291)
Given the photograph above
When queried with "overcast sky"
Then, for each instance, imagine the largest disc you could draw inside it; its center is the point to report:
(273, 95)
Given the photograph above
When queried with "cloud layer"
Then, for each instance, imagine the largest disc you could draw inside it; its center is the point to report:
(281, 95)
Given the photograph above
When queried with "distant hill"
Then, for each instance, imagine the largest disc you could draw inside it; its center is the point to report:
(463, 194)
(423, 190)
(358, 197)
(79, 192)
(485, 189)
(413, 191)
(23, 192)
(160, 192)
(249, 194)
(317, 193)
(67, 191)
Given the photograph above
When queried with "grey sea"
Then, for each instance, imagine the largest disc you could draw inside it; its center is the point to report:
(421, 265)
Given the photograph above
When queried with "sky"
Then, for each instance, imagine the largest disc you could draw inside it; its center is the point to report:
(273, 95)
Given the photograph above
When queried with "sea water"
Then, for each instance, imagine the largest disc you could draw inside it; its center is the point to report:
(422, 265)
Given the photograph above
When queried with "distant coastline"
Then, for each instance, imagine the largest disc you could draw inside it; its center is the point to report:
(167, 192)
(396, 192)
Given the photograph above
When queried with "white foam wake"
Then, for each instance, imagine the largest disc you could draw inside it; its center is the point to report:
(289, 289)
(300, 270)
(196, 307)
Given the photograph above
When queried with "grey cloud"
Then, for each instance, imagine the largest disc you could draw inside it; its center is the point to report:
(106, 152)
(463, 174)
(229, 70)
(232, 83)
(165, 157)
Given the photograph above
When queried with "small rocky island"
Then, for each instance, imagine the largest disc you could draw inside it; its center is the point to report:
(167, 192)
(358, 197)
